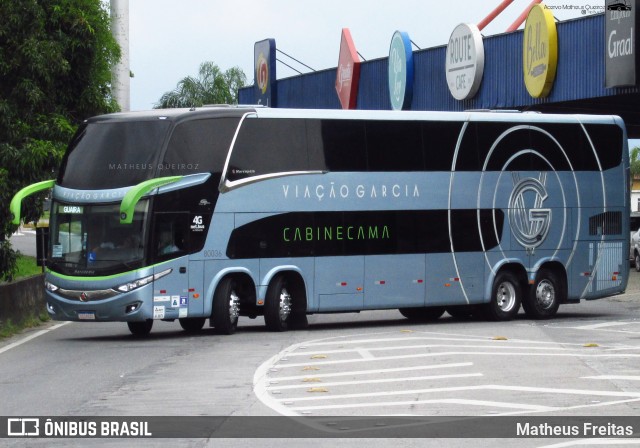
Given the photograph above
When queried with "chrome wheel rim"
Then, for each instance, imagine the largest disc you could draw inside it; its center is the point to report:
(506, 296)
(234, 306)
(285, 304)
(545, 294)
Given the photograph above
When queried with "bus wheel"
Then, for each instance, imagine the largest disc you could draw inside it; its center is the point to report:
(192, 325)
(277, 305)
(505, 298)
(423, 313)
(226, 307)
(544, 297)
(140, 328)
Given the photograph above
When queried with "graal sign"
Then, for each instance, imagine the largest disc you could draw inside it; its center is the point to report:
(620, 46)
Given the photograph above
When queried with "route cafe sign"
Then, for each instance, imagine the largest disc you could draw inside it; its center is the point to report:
(465, 61)
(621, 61)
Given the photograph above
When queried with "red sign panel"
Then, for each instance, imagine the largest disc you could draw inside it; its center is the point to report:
(348, 72)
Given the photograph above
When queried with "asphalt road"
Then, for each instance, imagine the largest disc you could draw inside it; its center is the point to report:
(583, 362)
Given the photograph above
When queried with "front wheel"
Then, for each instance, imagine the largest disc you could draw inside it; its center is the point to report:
(140, 328)
(278, 304)
(544, 297)
(637, 262)
(226, 307)
(505, 298)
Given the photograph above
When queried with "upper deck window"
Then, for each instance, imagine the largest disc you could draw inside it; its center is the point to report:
(112, 154)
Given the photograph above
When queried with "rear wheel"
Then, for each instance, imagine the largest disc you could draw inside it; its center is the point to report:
(505, 298)
(226, 307)
(140, 328)
(278, 305)
(423, 314)
(637, 262)
(192, 325)
(544, 296)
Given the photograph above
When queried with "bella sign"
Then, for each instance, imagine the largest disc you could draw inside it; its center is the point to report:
(540, 51)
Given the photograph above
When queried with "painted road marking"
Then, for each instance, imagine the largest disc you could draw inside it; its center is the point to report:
(31, 337)
(379, 381)
(349, 388)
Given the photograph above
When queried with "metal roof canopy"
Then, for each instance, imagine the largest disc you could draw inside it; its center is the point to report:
(579, 85)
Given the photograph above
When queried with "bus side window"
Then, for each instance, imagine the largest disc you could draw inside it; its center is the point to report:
(170, 235)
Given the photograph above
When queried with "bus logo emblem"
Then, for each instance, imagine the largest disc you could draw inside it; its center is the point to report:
(530, 222)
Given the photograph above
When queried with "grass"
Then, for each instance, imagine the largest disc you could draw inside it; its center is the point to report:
(8, 328)
(27, 267)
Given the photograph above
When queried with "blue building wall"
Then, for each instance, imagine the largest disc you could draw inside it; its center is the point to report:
(580, 75)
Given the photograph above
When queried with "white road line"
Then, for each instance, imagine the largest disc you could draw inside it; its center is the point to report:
(495, 404)
(373, 371)
(602, 325)
(613, 377)
(433, 355)
(360, 350)
(490, 387)
(32, 336)
(477, 339)
(366, 354)
(379, 381)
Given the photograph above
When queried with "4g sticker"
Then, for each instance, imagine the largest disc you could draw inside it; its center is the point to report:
(197, 224)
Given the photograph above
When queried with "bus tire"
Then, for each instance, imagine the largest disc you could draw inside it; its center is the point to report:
(544, 296)
(506, 296)
(278, 305)
(192, 324)
(140, 329)
(431, 313)
(226, 307)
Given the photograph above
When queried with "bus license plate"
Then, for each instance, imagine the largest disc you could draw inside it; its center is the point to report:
(86, 315)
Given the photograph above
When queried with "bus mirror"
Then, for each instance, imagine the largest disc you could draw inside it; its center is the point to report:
(131, 198)
(16, 202)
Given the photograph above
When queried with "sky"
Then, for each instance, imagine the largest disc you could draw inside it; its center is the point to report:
(169, 39)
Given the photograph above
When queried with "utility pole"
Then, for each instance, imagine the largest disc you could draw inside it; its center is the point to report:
(120, 73)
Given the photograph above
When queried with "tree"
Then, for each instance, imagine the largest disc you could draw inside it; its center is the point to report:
(212, 86)
(635, 162)
(55, 70)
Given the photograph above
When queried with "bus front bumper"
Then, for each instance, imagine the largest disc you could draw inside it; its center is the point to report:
(131, 306)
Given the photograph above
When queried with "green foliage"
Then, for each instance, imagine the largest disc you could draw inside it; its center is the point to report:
(55, 70)
(635, 163)
(212, 86)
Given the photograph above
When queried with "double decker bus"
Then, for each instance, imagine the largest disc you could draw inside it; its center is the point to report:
(220, 212)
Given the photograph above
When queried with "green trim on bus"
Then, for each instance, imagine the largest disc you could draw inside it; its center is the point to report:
(105, 277)
(132, 197)
(16, 202)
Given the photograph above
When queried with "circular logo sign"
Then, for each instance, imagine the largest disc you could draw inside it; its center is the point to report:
(464, 66)
(400, 71)
(540, 51)
(262, 73)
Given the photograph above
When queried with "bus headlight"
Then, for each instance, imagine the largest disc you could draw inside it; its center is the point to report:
(50, 287)
(130, 286)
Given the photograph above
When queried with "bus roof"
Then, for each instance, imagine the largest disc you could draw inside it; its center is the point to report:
(266, 112)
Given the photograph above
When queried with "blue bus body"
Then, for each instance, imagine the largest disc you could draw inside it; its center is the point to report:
(285, 213)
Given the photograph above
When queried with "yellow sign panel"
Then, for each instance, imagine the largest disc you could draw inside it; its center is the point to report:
(540, 51)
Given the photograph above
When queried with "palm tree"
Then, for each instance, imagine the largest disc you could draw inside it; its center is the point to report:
(212, 86)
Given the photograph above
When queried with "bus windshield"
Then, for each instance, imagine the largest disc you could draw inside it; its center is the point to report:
(89, 239)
